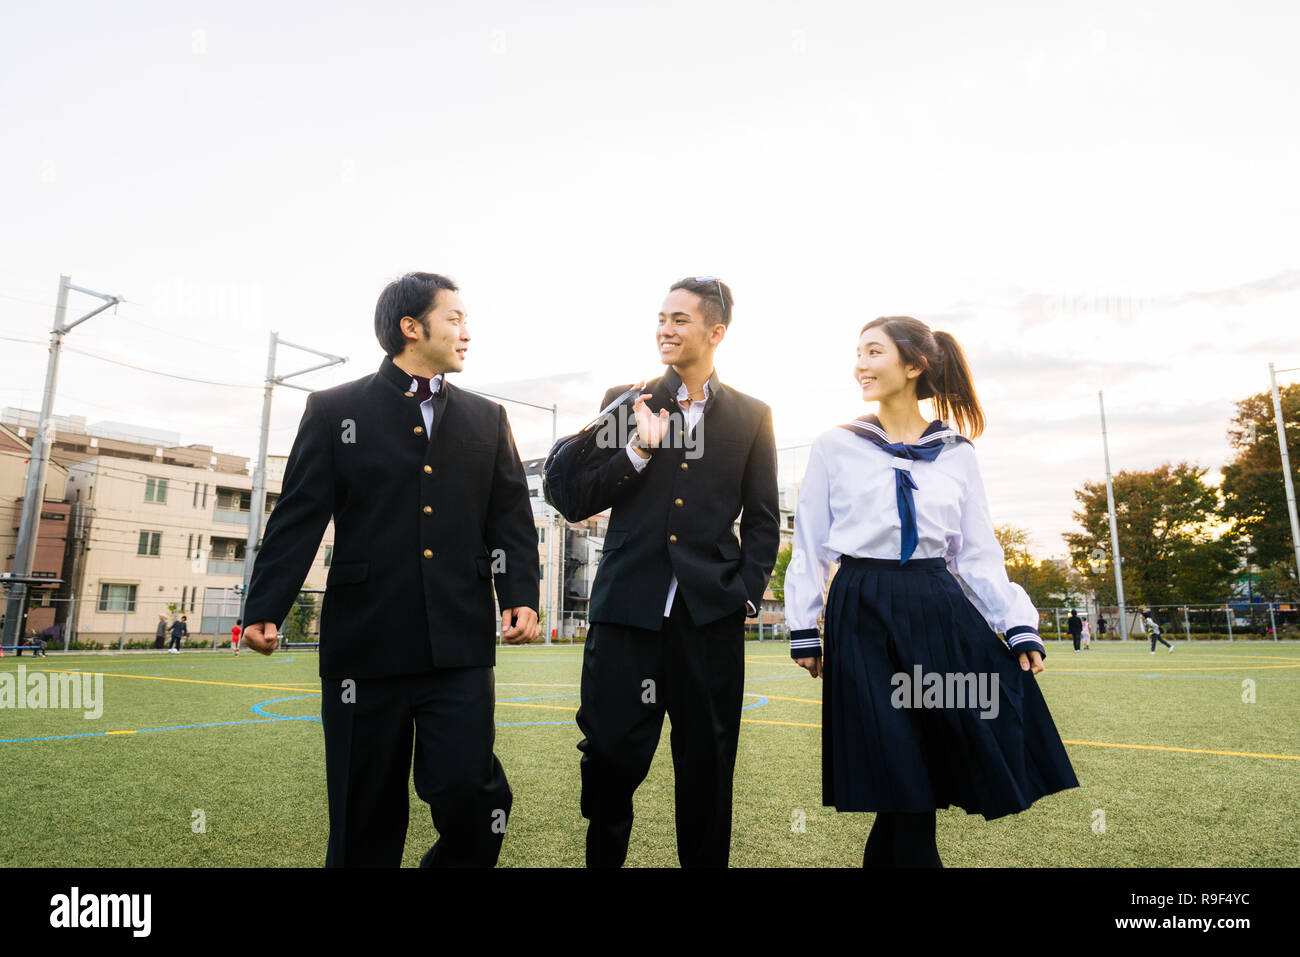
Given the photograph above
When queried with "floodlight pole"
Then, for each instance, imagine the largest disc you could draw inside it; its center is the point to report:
(1114, 527)
(1286, 464)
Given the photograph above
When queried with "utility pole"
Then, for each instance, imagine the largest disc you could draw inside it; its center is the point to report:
(256, 507)
(1286, 465)
(1114, 527)
(34, 494)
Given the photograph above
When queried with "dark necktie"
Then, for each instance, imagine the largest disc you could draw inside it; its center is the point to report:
(423, 387)
(868, 426)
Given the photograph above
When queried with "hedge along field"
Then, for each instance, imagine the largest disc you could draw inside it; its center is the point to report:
(203, 759)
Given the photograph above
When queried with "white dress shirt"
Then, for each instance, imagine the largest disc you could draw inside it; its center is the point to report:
(848, 506)
(426, 407)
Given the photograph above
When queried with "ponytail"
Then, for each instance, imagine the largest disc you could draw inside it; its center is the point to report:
(945, 376)
(954, 389)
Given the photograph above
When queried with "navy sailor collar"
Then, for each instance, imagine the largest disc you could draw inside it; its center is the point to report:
(937, 432)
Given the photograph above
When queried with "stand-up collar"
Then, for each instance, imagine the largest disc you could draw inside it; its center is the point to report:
(389, 371)
(670, 382)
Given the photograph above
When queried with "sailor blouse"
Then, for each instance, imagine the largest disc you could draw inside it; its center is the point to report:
(850, 503)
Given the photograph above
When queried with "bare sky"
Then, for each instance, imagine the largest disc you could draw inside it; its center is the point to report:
(1090, 197)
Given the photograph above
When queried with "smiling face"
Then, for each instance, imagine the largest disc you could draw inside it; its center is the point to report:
(685, 335)
(880, 369)
(441, 341)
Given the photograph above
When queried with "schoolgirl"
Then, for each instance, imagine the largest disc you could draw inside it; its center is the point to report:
(919, 598)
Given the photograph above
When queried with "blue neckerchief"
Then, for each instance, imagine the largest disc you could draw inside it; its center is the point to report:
(934, 440)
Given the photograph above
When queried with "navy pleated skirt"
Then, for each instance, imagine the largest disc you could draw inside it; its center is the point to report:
(882, 748)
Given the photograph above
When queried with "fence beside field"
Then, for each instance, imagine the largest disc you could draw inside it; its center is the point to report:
(210, 621)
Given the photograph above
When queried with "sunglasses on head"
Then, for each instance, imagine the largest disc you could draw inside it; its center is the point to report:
(722, 297)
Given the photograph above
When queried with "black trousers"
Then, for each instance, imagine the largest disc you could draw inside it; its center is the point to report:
(1155, 636)
(631, 677)
(902, 840)
(1075, 636)
(369, 728)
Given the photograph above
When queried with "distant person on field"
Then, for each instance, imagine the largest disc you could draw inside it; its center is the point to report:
(179, 630)
(1085, 636)
(1101, 627)
(1153, 630)
(234, 635)
(1075, 627)
(160, 636)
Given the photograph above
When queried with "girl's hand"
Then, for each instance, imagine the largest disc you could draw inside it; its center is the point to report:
(1037, 661)
(814, 665)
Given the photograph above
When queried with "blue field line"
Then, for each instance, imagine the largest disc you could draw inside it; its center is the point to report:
(104, 734)
(257, 708)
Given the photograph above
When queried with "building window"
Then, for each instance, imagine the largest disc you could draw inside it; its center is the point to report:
(116, 597)
(155, 490)
(541, 535)
(189, 546)
(541, 572)
(185, 593)
(194, 593)
(329, 555)
(204, 503)
(195, 503)
(150, 543)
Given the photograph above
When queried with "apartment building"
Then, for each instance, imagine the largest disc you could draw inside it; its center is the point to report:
(162, 540)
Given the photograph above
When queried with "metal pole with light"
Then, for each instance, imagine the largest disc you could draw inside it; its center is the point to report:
(1286, 464)
(29, 524)
(1114, 527)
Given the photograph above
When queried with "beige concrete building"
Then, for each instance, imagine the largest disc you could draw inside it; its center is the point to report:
(161, 540)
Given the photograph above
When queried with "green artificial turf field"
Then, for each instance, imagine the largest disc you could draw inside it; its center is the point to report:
(202, 759)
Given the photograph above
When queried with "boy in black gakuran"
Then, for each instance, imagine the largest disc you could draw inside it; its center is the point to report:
(428, 498)
(674, 586)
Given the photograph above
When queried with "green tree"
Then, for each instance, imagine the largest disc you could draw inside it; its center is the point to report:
(1254, 493)
(1165, 519)
(297, 627)
(1045, 582)
(778, 572)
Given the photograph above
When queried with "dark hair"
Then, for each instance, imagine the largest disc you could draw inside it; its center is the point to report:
(715, 297)
(413, 295)
(945, 376)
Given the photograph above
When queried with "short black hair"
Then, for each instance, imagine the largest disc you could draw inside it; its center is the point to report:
(715, 296)
(412, 295)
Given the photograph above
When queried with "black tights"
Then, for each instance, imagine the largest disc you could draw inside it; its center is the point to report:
(902, 840)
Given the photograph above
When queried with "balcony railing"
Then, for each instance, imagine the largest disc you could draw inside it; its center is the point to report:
(230, 516)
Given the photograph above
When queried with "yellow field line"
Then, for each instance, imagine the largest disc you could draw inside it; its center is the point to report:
(773, 697)
(791, 724)
(1138, 671)
(191, 681)
(1160, 747)
(522, 704)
